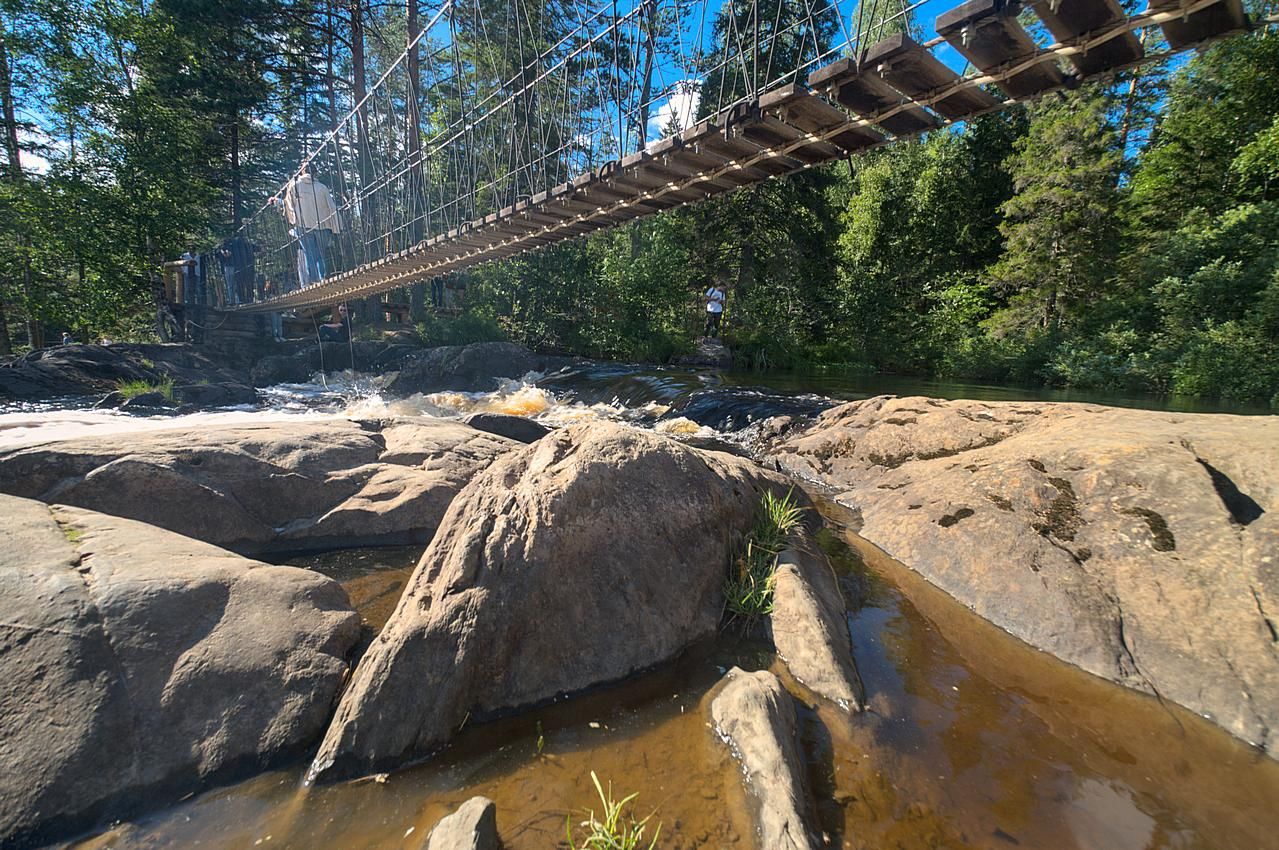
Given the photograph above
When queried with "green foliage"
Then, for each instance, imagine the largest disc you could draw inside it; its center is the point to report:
(135, 388)
(460, 330)
(1060, 224)
(1122, 236)
(748, 590)
(1221, 104)
(614, 828)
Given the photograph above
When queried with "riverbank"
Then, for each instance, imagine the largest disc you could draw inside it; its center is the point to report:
(1018, 511)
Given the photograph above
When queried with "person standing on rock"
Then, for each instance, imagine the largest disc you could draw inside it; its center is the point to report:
(715, 297)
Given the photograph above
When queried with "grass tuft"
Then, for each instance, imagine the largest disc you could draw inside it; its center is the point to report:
(748, 590)
(614, 829)
(135, 388)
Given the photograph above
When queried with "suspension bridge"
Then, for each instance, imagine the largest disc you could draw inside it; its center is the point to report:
(455, 158)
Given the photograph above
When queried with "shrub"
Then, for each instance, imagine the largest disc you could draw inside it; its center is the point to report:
(460, 330)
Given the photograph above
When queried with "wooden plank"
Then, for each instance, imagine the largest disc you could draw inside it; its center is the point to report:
(603, 190)
(1218, 19)
(915, 72)
(1070, 19)
(687, 163)
(816, 116)
(741, 149)
(776, 134)
(634, 178)
(868, 95)
(986, 33)
(780, 98)
(664, 146)
(548, 194)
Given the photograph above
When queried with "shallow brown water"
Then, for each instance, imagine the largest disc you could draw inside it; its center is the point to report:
(374, 579)
(972, 740)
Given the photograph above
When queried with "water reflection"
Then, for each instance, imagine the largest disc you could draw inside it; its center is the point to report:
(976, 740)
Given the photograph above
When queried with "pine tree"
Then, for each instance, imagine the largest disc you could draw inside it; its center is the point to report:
(1060, 224)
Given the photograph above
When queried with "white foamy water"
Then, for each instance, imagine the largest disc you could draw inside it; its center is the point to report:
(520, 397)
(343, 395)
(26, 429)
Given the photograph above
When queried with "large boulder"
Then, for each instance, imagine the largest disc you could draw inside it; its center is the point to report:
(137, 665)
(272, 486)
(1140, 546)
(477, 367)
(598, 551)
(87, 370)
(755, 717)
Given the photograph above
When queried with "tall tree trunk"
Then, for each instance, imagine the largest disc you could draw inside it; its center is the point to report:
(1130, 105)
(237, 186)
(649, 19)
(360, 88)
(16, 177)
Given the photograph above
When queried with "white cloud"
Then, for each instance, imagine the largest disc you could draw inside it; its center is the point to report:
(39, 150)
(678, 112)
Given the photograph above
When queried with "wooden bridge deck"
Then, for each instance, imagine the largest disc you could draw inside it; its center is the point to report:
(897, 88)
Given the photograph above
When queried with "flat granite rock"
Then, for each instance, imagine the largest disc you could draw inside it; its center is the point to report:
(87, 370)
(477, 367)
(808, 628)
(273, 486)
(1140, 546)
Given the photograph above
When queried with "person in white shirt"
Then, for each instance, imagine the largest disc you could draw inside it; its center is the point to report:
(715, 297)
(308, 206)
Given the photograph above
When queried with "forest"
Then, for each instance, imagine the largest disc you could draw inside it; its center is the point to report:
(1121, 235)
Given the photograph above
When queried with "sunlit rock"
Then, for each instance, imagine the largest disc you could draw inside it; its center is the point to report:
(1138, 545)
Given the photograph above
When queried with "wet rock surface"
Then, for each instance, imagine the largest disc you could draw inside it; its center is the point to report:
(300, 361)
(710, 352)
(472, 827)
(755, 717)
(274, 486)
(470, 368)
(138, 665)
(514, 427)
(594, 553)
(807, 625)
(69, 371)
(1140, 546)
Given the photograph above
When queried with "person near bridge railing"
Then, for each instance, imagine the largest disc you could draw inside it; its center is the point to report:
(308, 206)
(236, 257)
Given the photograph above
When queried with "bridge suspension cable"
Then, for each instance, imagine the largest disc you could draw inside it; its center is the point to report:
(503, 129)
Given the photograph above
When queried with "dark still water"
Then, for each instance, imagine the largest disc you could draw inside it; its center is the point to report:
(682, 388)
(972, 740)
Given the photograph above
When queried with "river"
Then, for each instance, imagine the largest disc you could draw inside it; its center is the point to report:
(971, 740)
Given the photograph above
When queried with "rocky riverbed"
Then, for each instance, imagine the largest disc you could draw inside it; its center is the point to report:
(138, 633)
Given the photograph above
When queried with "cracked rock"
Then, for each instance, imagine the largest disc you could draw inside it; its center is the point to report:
(1141, 546)
(593, 553)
